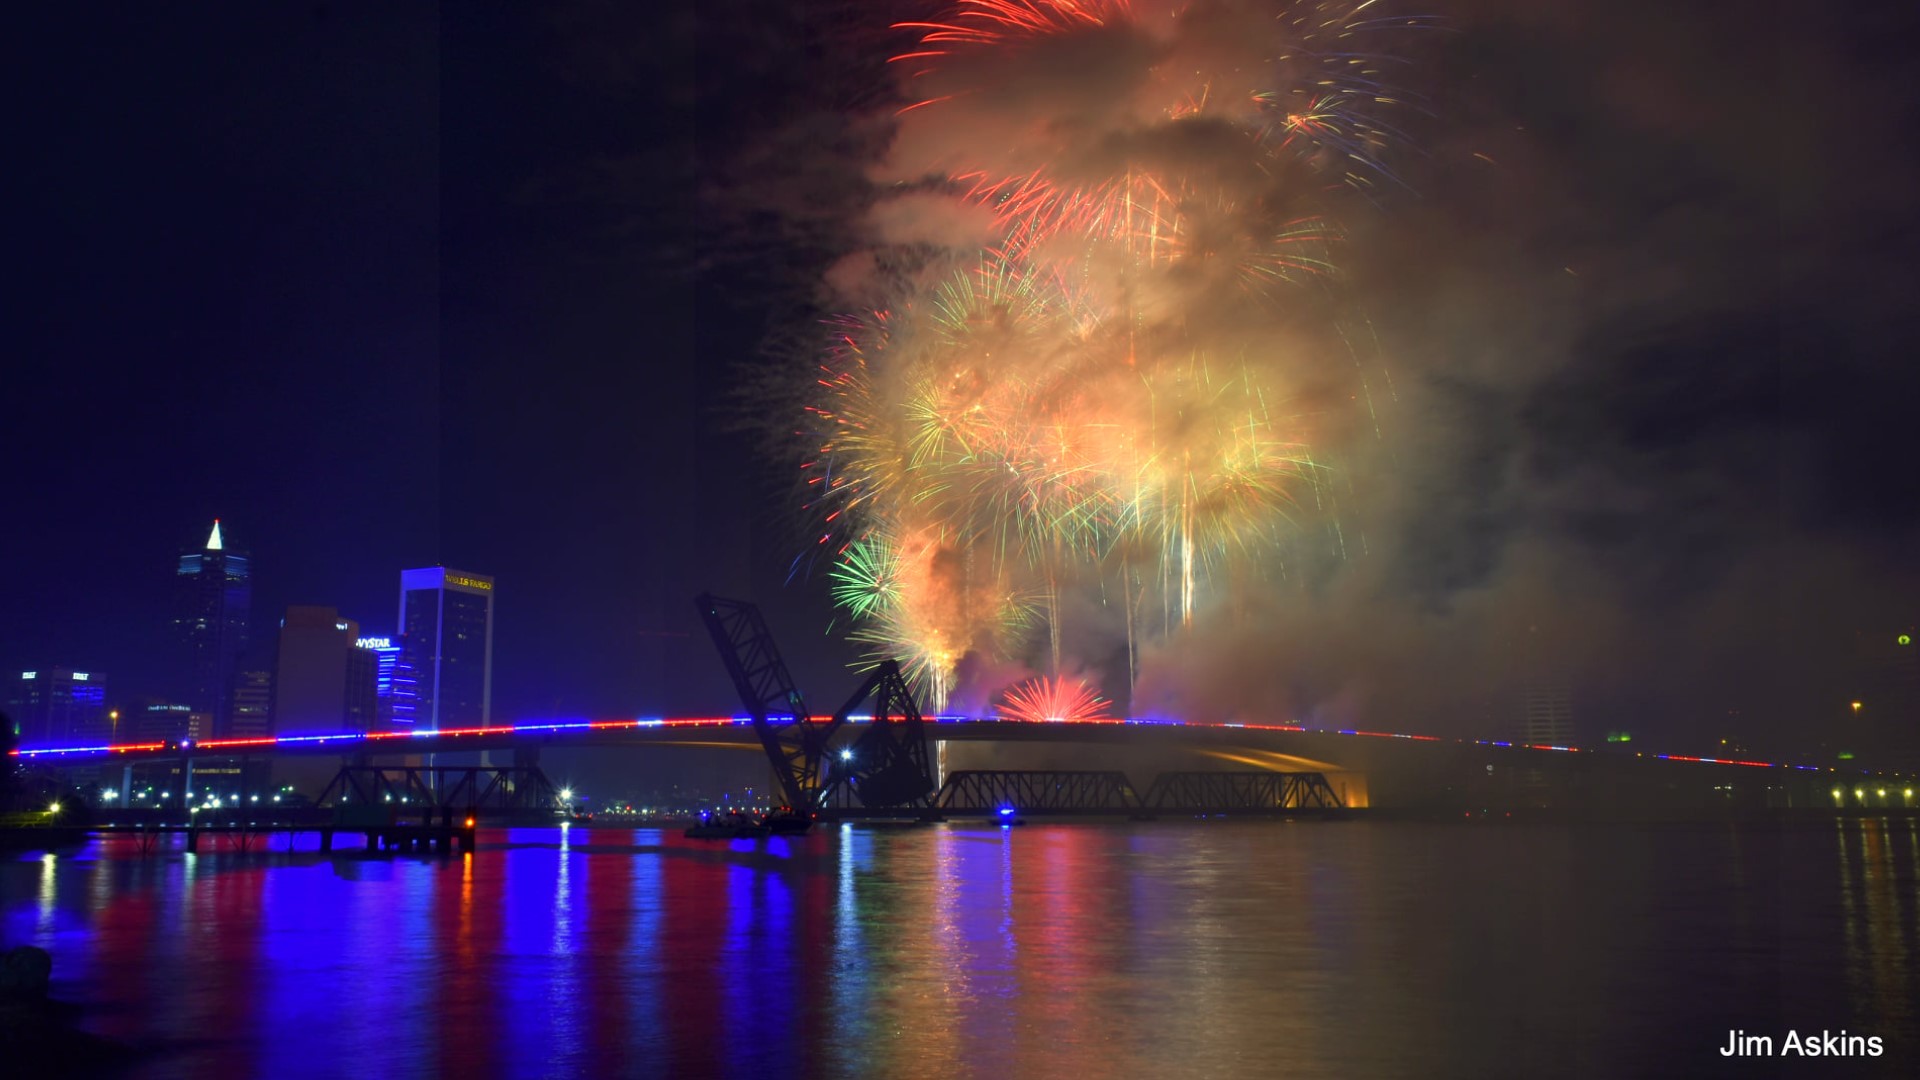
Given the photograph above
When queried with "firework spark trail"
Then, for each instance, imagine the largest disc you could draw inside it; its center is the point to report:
(1107, 389)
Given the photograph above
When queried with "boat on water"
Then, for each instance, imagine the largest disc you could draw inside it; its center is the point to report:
(732, 825)
(786, 821)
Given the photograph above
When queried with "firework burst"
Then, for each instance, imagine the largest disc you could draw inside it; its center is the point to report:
(1053, 701)
(1193, 103)
(1108, 387)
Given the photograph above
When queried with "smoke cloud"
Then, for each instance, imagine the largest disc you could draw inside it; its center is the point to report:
(1596, 386)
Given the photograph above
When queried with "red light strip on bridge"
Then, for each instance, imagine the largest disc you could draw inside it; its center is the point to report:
(1726, 761)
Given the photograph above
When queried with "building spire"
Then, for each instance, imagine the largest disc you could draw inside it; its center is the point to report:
(213, 539)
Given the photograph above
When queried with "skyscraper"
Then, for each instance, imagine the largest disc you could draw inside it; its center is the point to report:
(1545, 707)
(323, 682)
(1546, 712)
(214, 598)
(60, 707)
(446, 648)
(252, 715)
(386, 658)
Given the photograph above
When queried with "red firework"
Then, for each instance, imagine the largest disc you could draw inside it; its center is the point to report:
(1053, 701)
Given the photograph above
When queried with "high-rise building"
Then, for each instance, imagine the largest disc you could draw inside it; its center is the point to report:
(322, 683)
(386, 658)
(252, 713)
(167, 721)
(445, 675)
(60, 707)
(1546, 712)
(211, 622)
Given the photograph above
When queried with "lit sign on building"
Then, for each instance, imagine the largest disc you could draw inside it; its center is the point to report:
(471, 583)
(80, 676)
(29, 674)
(373, 643)
(339, 626)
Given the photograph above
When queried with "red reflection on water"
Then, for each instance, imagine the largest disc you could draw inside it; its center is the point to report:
(695, 913)
(220, 918)
(467, 933)
(609, 926)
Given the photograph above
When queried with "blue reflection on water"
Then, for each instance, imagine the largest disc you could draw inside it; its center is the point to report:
(1050, 949)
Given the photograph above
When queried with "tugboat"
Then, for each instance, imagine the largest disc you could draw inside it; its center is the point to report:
(786, 821)
(731, 825)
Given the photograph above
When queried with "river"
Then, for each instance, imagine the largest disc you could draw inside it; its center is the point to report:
(1213, 948)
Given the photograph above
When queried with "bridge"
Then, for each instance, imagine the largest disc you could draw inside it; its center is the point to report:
(879, 754)
(1377, 768)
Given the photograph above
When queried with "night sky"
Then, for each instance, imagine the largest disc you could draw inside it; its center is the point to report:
(381, 287)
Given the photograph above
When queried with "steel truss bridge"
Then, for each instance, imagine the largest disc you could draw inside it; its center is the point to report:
(447, 788)
(1109, 792)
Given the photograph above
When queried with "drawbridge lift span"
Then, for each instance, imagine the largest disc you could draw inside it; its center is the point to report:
(885, 768)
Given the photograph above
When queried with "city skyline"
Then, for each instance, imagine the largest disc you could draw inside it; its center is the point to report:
(1535, 706)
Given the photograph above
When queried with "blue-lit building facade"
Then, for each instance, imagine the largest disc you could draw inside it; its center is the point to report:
(386, 661)
(211, 623)
(444, 678)
(60, 707)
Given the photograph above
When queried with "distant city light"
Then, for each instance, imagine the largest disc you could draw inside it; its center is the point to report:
(54, 809)
(1905, 639)
(846, 755)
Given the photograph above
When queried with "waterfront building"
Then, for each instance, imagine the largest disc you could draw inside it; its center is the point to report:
(322, 681)
(252, 711)
(1543, 698)
(386, 661)
(446, 658)
(58, 706)
(211, 624)
(1546, 712)
(166, 721)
